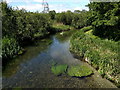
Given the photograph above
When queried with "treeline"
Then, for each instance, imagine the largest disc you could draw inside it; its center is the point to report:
(22, 25)
(77, 19)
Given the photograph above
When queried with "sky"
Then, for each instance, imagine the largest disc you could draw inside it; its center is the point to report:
(57, 5)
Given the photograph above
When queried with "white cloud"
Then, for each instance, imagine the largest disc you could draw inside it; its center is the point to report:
(10, 1)
(31, 7)
(57, 5)
(62, 7)
(47, 1)
(67, 0)
(81, 8)
(37, 0)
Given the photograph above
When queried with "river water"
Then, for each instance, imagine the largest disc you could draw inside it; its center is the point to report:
(33, 68)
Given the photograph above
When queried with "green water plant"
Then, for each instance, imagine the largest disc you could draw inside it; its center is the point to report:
(59, 69)
(79, 71)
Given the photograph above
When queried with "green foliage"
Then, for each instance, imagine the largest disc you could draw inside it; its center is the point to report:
(8, 19)
(59, 69)
(102, 54)
(80, 19)
(79, 71)
(77, 19)
(64, 17)
(10, 48)
(52, 14)
(86, 28)
(60, 27)
(24, 25)
(105, 19)
(20, 27)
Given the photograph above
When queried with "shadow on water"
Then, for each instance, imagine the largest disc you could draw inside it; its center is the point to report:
(31, 51)
(33, 69)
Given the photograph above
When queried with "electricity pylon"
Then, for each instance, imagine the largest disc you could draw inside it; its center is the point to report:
(45, 7)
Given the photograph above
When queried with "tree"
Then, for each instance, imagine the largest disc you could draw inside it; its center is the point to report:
(105, 19)
(65, 17)
(77, 11)
(52, 14)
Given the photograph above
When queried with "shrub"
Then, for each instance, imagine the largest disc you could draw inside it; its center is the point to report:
(10, 48)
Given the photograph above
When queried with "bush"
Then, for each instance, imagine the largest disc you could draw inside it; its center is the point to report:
(10, 48)
(64, 17)
(105, 29)
(80, 19)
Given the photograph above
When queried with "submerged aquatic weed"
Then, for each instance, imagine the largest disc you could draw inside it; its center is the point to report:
(79, 71)
(59, 69)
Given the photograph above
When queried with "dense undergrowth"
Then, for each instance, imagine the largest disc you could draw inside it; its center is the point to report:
(103, 54)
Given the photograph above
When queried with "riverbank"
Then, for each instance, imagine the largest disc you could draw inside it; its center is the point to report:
(102, 54)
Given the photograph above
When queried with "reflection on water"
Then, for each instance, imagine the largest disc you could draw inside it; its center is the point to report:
(32, 70)
(60, 52)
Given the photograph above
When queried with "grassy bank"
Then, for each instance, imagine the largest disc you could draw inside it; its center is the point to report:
(59, 27)
(100, 53)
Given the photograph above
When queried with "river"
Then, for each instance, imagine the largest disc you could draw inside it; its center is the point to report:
(33, 68)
